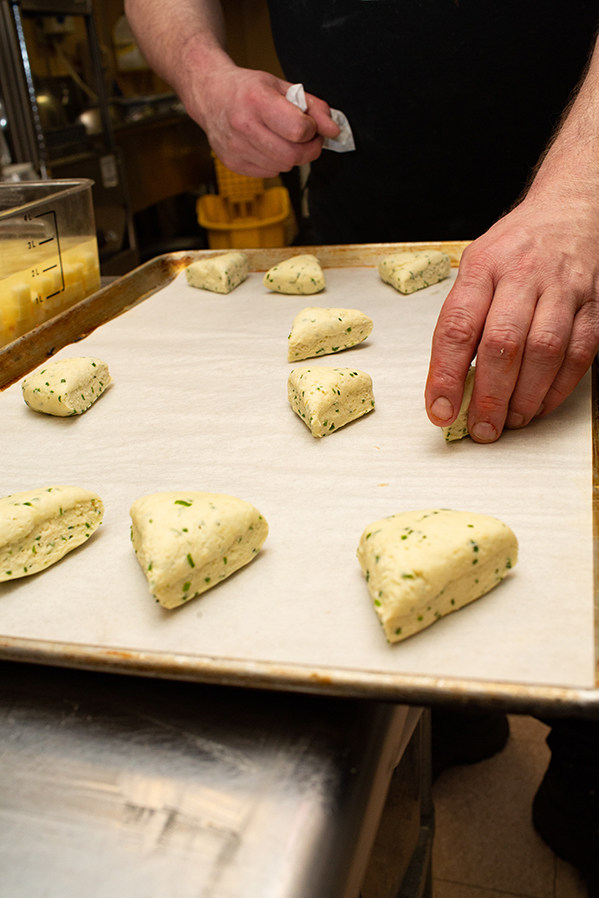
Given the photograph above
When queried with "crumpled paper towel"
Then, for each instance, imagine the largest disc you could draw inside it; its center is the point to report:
(341, 144)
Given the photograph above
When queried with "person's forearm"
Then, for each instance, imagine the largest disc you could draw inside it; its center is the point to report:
(570, 163)
(180, 38)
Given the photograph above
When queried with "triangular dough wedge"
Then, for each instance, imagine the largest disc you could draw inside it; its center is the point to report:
(317, 331)
(188, 542)
(38, 527)
(459, 429)
(219, 274)
(422, 565)
(327, 398)
(66, 387)
(300, 274)
(408, 272)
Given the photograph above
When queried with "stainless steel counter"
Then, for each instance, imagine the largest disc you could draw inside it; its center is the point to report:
(115, 785)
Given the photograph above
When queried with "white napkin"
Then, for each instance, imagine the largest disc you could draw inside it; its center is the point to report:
(342, 144)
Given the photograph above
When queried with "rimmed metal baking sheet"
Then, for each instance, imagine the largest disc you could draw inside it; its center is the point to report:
(199, 401)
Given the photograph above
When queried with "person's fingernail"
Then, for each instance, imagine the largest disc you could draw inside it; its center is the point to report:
(484, 432)
(442, 409)
(514, 419)
(540, 410)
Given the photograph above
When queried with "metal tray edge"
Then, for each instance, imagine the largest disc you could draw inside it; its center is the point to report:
(373, 685)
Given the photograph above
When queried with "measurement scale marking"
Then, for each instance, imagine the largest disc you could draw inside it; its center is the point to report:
(53, 214)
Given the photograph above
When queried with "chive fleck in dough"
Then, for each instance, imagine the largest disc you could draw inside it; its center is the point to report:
(66, 386)
(39, 527)
(422, 565)
(219, 274)
(459, 428)
(317, 331)
(408, 272)
(327, 398)
(186, 543)
(300, 274)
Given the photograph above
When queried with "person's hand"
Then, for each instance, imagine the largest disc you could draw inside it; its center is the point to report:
(250, 125)
(525, 302)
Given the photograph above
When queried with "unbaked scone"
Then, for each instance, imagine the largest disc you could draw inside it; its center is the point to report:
(459, 428)
(408, 272)
(327, 398)
(219, 274)
(300, 274)
(66, 386)
(186, 543)
(317, 331)
(422, 565)
(38, 527)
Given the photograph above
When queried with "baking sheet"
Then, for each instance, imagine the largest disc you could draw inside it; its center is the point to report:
(199, 402)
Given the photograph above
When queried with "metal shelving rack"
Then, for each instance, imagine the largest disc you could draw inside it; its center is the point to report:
(18, 92)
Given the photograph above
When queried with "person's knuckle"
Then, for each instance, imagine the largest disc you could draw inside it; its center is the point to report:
(457, 328)
(298, 129)
(503, 343)
(240, 121)
(523, 406)
(481, 262)
(445, 379)
(546, 346)
(489, 405)
(470, 255)
(581, 352)
(524, 268)
(556, 396)
(254, 92)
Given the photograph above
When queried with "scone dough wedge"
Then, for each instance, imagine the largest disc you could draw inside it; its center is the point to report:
(408, 272)
(219, 274)
(66, 386)
(422, 565)
(298, 275)
(38, 527)
(316, 331)
(327, 398)
(459, 429)
(188, 542)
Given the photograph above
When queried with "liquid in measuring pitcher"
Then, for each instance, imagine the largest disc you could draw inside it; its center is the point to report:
(36, 284)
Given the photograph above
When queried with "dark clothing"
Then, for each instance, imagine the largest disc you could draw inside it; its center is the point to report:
(574, 748)
(451, 103)
(565, 809)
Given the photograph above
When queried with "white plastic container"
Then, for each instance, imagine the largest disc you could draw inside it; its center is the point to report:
(48, 252)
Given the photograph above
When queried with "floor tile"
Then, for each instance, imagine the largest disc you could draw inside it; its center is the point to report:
(484, 836)
(443, 889)
(529, 728)
(568, 882)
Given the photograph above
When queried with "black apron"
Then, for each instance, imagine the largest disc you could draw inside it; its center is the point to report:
(451, 103)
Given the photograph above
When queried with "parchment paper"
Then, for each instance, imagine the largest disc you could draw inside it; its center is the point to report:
(199, 402)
